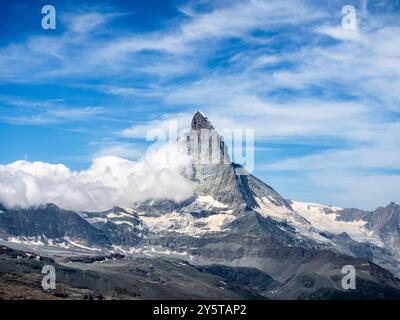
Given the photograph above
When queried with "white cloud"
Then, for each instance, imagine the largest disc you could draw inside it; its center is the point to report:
(109, 181)
(80, 51)
(366, 67)
(359, 175)
(21, 111)
(364, 191)
(124, 91)
(340, 33)
(172, 125)
(120, 149)
(85, 22)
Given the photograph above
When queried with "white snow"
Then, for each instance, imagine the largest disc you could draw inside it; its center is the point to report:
(96, 220)
(323, 221)
(42, 241)
(79, 245)
(310, 218)
(129, 210)
(211, 201)
(118, 215)
(131, 250)
(151, 251)
(298, 205)
(279, 213)
(123, 222)
(34, 241)
(293, 218)
(185, 223)
(15, 240)
(215, 222)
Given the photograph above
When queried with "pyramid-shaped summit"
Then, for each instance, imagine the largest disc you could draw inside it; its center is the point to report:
(204, 143)
(200, 121)
(215, 175)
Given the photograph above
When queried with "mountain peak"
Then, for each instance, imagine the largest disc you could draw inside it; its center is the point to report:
(200, 121)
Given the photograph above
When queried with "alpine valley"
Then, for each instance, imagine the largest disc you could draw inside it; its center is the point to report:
(234, 238)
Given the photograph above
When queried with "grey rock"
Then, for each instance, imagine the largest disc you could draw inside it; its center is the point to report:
(49, 221)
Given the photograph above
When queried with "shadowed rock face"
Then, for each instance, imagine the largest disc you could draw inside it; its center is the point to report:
(216, 175)
(200, 121)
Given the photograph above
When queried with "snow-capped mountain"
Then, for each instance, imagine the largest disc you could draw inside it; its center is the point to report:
(235, 220)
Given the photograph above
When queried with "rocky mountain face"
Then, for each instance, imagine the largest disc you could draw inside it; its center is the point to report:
(122, 226)
(48, 221)
(236, 227)
(384, 222)
(217, 176)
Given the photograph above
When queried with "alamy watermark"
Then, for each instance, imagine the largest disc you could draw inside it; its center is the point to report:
(49, 280)
(349, 17)
(349, 280)
(49, 20)
(207, 146)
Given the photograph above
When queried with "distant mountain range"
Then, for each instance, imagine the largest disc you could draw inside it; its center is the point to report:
(235, 228)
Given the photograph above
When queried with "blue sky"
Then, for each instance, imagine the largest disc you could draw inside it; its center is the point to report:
(324, 101)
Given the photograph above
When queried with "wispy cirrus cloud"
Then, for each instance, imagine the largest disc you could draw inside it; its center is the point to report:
(21, 111)
(170, 124)
(284, 68)
(78, 50)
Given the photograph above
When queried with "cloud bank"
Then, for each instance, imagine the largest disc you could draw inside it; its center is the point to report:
(109, 181)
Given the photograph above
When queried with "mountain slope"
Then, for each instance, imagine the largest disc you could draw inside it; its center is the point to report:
(48, 221)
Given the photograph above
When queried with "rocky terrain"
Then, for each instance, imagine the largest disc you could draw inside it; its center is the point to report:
(234, 238)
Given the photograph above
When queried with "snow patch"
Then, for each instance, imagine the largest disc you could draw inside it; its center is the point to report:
(123, 222)
(280, 213)
(96, 220)
(324, 218)
(185, 223)
(79, 245)
(118, 215)
(211, 201)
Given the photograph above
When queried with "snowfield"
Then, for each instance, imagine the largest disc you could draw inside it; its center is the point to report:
(324, 218)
